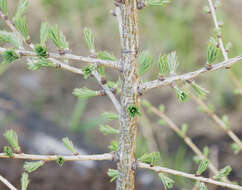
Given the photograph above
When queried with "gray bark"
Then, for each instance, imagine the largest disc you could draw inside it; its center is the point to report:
(127, 141)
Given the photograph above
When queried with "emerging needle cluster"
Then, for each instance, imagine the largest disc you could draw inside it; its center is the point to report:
(129, 87)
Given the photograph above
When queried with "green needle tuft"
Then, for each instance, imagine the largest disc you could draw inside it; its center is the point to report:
(9, 56)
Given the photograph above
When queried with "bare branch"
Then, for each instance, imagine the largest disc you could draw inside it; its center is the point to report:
(7, 183)
(98, 157)
(186, 139)
(168, 81)
(219, 121)
(187, 175)
(108, 92)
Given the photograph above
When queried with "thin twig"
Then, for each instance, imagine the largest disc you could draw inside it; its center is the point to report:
(59, 64)
(215, 20)
(218, 120)
(56, 62)
(7, 183)
(220, 40)
(74, 70)
(108, 92)
(106, 63)
(97, 157)
(186, 139)
(68, 56)
(169, 80)
(159, 169)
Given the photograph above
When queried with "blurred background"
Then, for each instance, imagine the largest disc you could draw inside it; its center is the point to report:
(40, 106)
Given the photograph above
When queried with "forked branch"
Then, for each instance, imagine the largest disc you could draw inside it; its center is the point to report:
(217, 120)
(186, 139)
(169, 80)
(62, 65)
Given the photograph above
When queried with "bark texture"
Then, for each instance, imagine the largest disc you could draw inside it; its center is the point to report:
(127, 141)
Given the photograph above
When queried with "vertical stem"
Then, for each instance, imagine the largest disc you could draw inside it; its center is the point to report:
(221, 44)
(129, 96)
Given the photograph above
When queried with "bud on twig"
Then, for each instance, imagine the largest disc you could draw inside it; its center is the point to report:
(133, 110)
(60, 161)
(113, 174)
(145, 62)
(89, 39)
(166, 181)
(87, 70)
(203, 166)
(9, 56)
(150, 158)
(8, 151)
(58, 38)
(113, 146)
(69, 145)
(41, 51)
(223, 173)
(12, 139)
(33, 166)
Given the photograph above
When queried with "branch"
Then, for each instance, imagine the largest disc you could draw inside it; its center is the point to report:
(107, 63)
(56, 62)
(215, 20)
(97, 157)
(7, 183)
(187, 175)
(219, 121)
(68, 56)
(186, 139)
(67, 67)
(109, 93)
(220, 40)
(169, 80)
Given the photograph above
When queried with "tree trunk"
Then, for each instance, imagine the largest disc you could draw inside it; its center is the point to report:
(128, 125)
